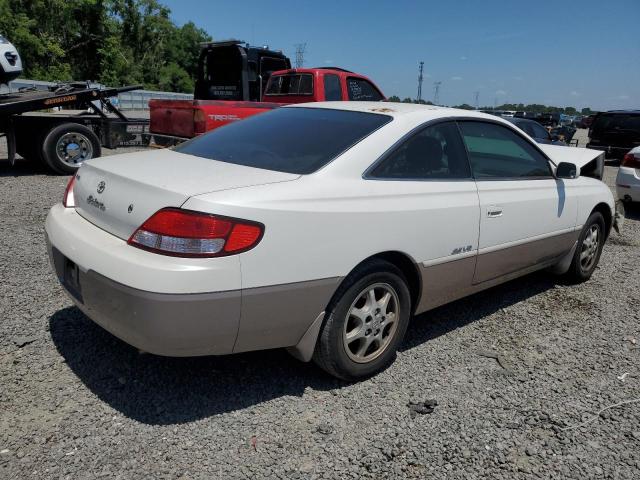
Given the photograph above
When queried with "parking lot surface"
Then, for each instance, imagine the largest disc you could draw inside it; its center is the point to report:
(532, 379)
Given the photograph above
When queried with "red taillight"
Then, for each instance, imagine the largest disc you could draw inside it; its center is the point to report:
(68, 200)
(631, 161)
(184, 233)
(199, 121)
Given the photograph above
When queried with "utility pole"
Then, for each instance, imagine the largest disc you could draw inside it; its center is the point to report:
(436, 93)
(300, 49)
(477, 95)
(420, 81)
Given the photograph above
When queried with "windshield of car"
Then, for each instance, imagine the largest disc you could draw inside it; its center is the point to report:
(292, 140)
(613, 122)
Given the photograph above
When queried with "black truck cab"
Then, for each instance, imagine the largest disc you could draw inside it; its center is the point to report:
(234, 70)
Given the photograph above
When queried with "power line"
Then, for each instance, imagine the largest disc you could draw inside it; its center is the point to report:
(300, 49)
(420, 81)
(436, 93)
(477, 95)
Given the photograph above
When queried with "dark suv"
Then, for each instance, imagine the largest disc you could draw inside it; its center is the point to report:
(615, 132)
(549, 119)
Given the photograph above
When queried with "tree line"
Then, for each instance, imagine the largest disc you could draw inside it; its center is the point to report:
(519, 107)
(114, 42)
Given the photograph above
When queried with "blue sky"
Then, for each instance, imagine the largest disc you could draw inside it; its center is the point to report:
(579, 53)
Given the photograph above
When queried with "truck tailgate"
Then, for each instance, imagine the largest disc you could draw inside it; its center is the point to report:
(172, 117)
(188, 118)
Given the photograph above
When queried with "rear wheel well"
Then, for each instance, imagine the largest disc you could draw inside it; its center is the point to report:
(408, 268)
(604, 209)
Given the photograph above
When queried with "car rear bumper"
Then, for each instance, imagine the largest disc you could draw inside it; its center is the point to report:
(160, 323)
(628, 184)
(175, 306)
(162, 308)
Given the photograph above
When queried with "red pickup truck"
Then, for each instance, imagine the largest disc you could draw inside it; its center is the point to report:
(219, 101)
(188, 118)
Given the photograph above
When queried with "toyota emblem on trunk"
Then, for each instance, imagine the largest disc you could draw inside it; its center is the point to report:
(101, 186)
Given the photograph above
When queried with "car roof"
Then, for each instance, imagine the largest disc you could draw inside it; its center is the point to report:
(518, 119)
(397, 110)
(634, 112)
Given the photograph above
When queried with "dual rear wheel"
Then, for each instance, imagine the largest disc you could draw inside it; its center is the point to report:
(63, 148)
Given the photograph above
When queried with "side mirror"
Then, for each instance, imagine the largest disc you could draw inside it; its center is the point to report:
(567, 170)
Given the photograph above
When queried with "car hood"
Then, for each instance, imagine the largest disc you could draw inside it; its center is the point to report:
(590, 162)
(118, 193)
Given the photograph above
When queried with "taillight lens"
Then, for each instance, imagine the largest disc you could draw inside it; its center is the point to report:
(68, 200)
(199, 121)
(184, 233)
(631, 161)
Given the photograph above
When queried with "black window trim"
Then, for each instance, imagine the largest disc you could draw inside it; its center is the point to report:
(292, 94)
(366, 175)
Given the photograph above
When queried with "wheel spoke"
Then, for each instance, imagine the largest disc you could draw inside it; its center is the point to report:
(356, 333)
(371, 298)
(363, 347)
(390, 318)
(359, 314)
(383, 303)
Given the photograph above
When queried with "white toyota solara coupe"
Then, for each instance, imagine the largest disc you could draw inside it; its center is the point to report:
(322, 228)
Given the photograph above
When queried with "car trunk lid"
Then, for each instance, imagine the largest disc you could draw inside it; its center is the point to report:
(119, 193)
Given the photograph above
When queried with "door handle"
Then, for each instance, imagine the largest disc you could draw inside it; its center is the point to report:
(494, 211)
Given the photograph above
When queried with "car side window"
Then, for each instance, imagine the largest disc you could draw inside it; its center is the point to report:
(436, 152)
(540, 131)
(498, 152)
(361, 90)
(332, 88)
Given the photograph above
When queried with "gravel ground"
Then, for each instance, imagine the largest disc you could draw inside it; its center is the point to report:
(510, 369)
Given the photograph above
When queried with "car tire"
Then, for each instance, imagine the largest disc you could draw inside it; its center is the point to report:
(58, 144)
(355, 319)
(588, 250)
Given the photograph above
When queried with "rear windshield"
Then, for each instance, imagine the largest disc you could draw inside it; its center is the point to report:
(292, 140)
(618, 121)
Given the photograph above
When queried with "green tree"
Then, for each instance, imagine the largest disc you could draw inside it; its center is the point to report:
(393, 98)
(111, 41)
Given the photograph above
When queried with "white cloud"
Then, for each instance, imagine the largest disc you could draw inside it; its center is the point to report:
(622, 97)
(463, 58)
(573, 93)
(500, 92)
(328, 62)
(518, 78)
(456, 78)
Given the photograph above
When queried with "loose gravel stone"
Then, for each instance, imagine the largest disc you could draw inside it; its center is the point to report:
(79, 403)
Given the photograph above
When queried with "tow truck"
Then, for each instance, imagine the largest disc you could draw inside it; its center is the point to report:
(64, 139)
(235, 81)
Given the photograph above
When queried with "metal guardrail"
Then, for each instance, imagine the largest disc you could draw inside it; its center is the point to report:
(139, 99)
(134, 100)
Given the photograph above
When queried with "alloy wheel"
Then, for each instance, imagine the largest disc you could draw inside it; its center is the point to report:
(371, 322)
